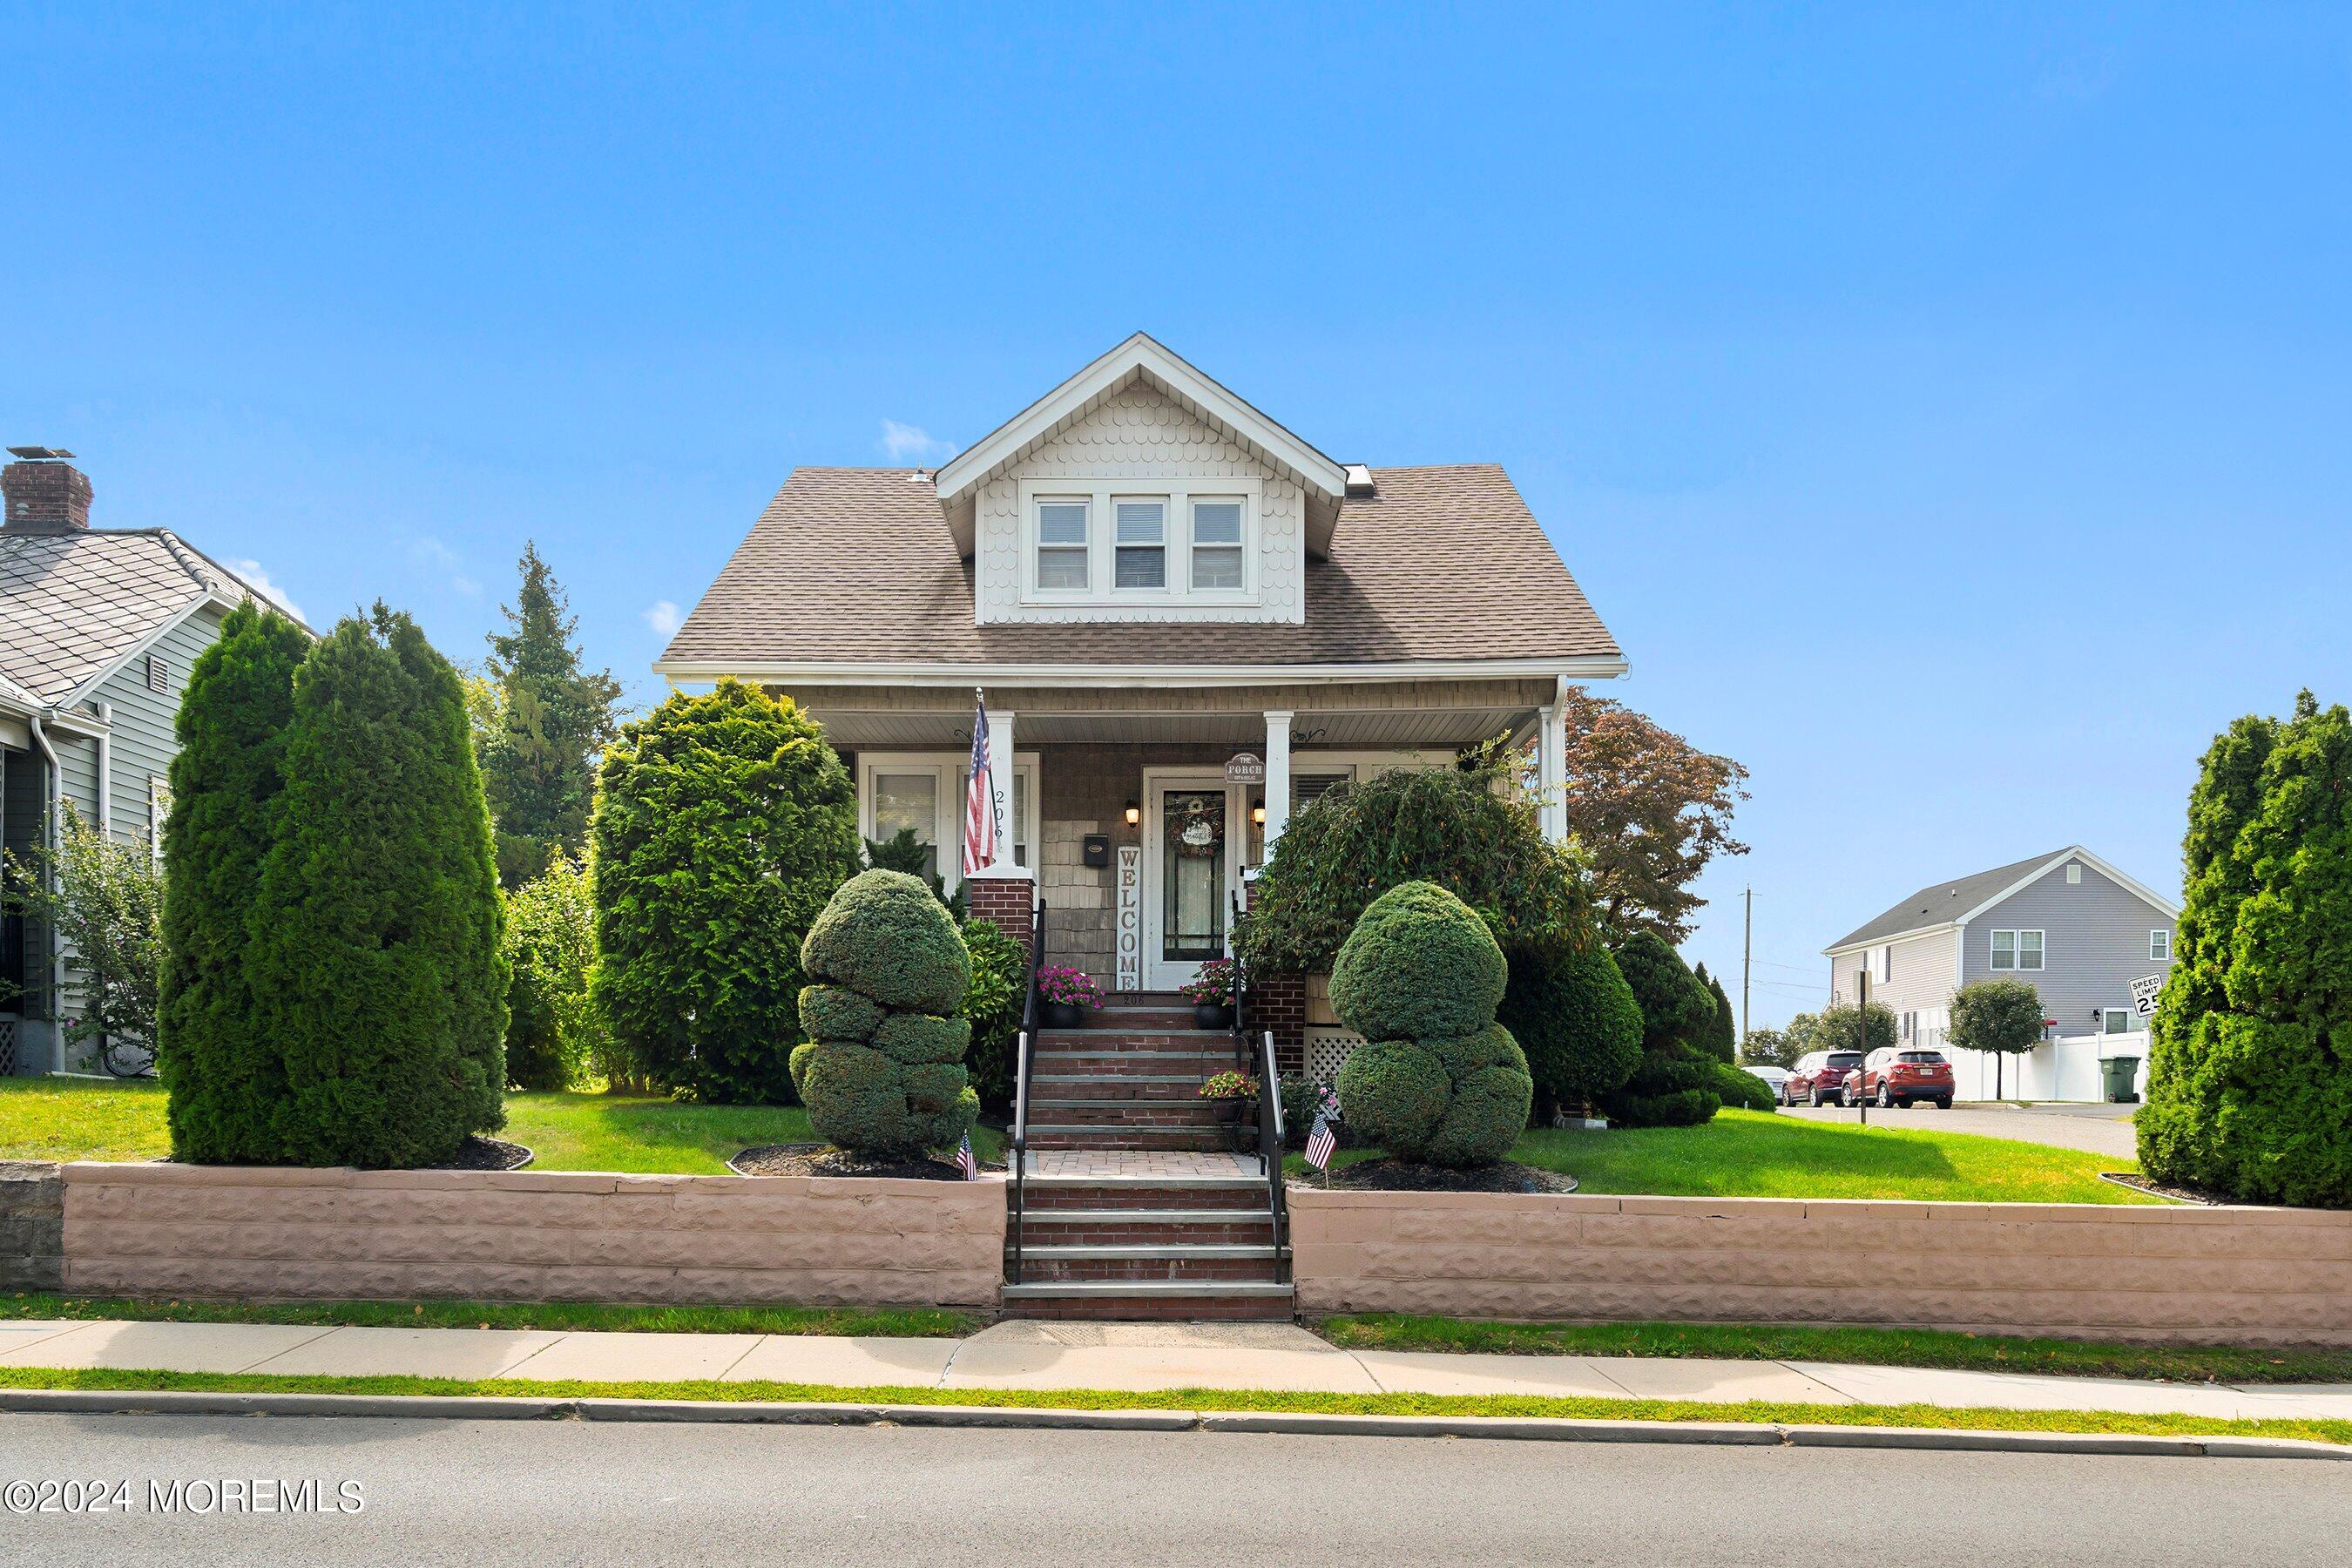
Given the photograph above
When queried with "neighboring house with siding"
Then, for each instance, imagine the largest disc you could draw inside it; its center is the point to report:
(98, 628)
(1186, 620)
(2075, 927)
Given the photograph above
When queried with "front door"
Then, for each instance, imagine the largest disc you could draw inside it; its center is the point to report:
(1190, 866)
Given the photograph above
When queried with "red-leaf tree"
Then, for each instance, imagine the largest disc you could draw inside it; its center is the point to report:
(1650, 809)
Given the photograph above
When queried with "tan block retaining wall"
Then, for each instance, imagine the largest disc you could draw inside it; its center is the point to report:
(245, 1231)
(2246, 1276)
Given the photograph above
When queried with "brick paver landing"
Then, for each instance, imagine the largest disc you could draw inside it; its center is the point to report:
(1140, 1164)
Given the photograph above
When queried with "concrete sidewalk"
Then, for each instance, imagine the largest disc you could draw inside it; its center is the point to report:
(1131, 1356)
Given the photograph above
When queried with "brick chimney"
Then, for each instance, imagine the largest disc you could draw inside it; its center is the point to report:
(44, 493)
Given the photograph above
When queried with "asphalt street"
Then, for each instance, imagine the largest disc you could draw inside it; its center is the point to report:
(475, 1493)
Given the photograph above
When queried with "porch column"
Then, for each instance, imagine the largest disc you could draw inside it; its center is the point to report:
(999, 791)
(1552, 770)
(1277, 776)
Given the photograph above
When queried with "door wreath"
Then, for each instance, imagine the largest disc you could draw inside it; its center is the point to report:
(1196, 830)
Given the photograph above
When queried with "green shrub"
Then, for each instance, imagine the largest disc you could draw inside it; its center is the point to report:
(2250, 1071)
(999, 974)
(552, 1035)
(375, 962)
(1420, 965)
(837, 1013)
(1738, 1086)
(1392, 1092)
(222, 1074)
(1721, 1037)
(1574, 1016)
(1301, 1098)
(881, 941)
(1673, 1085)
(1462, 829)
(723, 823)
(907, 1089)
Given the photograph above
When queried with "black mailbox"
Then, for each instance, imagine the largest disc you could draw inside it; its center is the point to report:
(1097, 849)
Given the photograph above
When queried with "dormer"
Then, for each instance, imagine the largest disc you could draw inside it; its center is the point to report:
(1140, 490)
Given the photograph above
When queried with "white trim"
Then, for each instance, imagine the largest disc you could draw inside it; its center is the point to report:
(1843, 948)
(1101, 497)
(171, 623)
(1005, 444)
(948, 672)
(2017, 935)
(2153, 934)
(1158, 973)
(947, 806)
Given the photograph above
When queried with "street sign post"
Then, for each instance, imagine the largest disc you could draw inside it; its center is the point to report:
(2144, 993)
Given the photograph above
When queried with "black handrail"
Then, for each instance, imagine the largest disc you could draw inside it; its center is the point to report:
(1258, 1055)
(1024, 1043)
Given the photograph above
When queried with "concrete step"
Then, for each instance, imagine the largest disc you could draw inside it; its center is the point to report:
(1156, 1301)
(1113, 1135)
(1157, 1088)
(1093, 1112)
(1087, 1194)
(1199, 1066)
(1149, 1228)
(1192, 1264)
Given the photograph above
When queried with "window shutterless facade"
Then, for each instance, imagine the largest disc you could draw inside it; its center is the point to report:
(1063, 564)
(2159, 945)
(924, 792)
(1086, 542)
(2017, 950)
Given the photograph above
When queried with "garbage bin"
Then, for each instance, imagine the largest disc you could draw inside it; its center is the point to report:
(2121, 1071)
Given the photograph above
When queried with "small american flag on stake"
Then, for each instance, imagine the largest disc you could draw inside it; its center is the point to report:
(965, 1161)
(979, 796)
(1322, 1141)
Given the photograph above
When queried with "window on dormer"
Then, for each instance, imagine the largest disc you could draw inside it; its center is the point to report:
(1062, 546)
(1217, 545)
(1140, 553)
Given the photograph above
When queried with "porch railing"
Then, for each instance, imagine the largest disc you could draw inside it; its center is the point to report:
(1254, 1053)
(1023, 1067)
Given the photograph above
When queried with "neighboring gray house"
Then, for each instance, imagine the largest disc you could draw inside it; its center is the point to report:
(2069, 924)
(98, 630)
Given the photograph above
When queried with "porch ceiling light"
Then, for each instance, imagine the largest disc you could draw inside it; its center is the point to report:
(1134, 814)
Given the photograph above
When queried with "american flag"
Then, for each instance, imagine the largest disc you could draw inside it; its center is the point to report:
(1321, 1142)
(967, 1164)
(980, 797)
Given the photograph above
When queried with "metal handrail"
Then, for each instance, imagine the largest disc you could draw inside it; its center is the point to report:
(1022, 1070)
(1269, 1103)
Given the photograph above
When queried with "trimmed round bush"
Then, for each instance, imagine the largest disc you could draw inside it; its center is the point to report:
(1420, 965)
(1673, 1084)
(1572, 1013)
(1738, 1086)
(1394, 1092)
(837, 1013)
(1486, 1115)
(913, 1037)
(886, 937)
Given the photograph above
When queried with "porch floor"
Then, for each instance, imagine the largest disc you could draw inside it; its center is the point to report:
(1141, 1164)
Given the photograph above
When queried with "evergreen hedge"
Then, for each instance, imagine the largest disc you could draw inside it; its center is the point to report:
(723, 823)
(375, 955)
(551, 945)
(1673, 1084)
(1572, 1013)
(220, 1073)
(1721, 1035)
(2250, 1070)
(999, 976)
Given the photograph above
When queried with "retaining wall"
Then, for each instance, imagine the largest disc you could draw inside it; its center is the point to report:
(2221, 1276)
(245, 1231)
(32, 1227)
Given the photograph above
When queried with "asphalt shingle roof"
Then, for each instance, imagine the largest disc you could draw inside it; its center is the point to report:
(857, 565)
(73, 601)
(1940, 902)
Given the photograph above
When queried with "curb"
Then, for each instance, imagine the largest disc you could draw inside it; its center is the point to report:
(1537, 1429)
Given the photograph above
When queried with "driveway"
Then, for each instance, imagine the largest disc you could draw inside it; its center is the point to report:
(2094, 1129)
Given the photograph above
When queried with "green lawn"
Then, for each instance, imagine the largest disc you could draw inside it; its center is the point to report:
(1756, 1154)
(80, 1119)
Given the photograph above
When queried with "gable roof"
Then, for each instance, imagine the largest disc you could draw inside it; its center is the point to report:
(1943, 904)
(76, 602)
(1441, 564)
(1142, 359)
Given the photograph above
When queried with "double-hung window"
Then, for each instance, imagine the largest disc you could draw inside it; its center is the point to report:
(924, 793)
(1217, 545)
(2159, 945)
(1139, 550)
(1061, 558)
(2017, 950)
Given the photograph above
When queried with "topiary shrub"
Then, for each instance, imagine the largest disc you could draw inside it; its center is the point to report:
(1439, 1081)
(723, 823)
(1738, 1086)
(1574, 1016)
(1673, 1083)
(887, 1078)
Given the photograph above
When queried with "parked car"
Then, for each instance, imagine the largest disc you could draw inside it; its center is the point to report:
(1819, 1077)
(1774, 1078)
(1899, 1075)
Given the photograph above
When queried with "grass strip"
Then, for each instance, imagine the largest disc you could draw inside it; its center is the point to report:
(1521, 1405)
(563, 1316)
(1869, 1347)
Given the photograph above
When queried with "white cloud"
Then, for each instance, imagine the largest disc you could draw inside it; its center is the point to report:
(911, 443)
(435, 556)
(662, 615)
(252, 573)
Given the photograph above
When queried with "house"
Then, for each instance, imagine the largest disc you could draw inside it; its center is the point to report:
(2075, 927)
(98, 628)
(1185, 620)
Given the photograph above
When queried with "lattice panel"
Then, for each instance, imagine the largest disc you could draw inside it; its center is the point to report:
(8, 1047)
(1327, 1049)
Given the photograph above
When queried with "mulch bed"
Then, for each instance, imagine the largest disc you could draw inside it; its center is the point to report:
(824, 1159)
(1386, 1175)
(480, 1154)
(2178, 1194)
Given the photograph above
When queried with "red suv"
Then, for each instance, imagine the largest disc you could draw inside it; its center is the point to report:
(1899, 1076)
(1817, 1076)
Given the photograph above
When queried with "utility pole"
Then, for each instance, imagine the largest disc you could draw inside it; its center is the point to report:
(1746, 960)
(1861, 1031)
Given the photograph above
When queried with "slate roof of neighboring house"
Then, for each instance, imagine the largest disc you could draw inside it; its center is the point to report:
(73, 601)
(1939, 903)
(857, 565)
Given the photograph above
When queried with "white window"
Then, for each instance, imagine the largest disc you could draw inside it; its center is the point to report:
(1217, 545)
(1063, 564)
(2074, 874)
(924, 792)
(2118, 1021)
(1886, 961)
(1139, 550)
(2018, 950)
(2159, 945)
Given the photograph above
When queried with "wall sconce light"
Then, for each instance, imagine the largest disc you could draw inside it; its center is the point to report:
(1134, 814)
(1257, 812)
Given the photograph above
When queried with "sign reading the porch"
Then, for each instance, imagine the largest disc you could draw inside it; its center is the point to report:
(1247, 768)
(2144, 991)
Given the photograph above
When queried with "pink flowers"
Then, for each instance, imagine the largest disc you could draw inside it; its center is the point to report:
(1070, 987)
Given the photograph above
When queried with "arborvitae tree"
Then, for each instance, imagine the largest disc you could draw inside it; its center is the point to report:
(723, 824)
(1673, 1085)
(374, 943)
(2250, 1075)
(1574, 1017)
(1721, 1037)
(221, 1071)
(551, 947)
(554, 718)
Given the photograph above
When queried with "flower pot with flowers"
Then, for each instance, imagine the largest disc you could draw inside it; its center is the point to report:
(1235, 1094)
(1066, 994)
(1211, 992)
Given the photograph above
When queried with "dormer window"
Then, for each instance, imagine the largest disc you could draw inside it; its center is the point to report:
(1217, 545)
(1101, 542)
(1062, 552)
(1139, 559)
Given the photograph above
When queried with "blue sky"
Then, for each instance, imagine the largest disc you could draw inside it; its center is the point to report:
(1947, 407)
